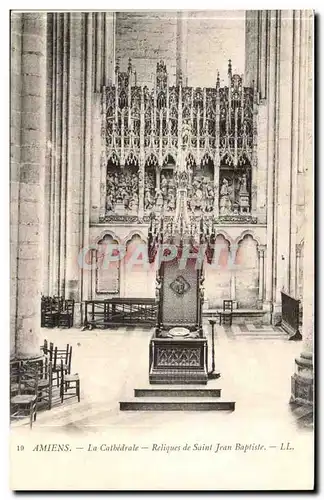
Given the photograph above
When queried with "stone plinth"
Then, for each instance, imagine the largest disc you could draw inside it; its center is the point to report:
(178, 360)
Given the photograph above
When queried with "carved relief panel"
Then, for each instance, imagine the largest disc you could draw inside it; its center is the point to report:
(146, 131)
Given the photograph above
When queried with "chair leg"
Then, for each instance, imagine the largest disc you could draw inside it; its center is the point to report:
(78, 389)
(31, 415)
(50, 397)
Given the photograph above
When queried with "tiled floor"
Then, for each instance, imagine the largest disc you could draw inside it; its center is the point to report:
(255, 361)
(256, 365)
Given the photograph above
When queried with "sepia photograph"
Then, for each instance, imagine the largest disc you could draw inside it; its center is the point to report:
(162, 250)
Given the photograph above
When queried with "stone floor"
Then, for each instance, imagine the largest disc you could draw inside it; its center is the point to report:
(256, 363)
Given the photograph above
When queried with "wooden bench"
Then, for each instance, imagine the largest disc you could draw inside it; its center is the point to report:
(119, 311)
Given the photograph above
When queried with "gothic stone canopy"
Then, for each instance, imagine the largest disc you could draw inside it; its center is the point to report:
(144, 131)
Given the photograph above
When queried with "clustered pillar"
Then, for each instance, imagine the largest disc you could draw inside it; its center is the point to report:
(302, 380)
(28, 182)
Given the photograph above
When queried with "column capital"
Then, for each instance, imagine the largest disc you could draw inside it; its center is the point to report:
(261, 250)
(299, 247)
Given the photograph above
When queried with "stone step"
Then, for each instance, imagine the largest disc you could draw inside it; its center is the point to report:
(177, 392)
(169, 404)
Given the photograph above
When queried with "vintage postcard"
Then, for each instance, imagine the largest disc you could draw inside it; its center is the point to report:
(162, 250)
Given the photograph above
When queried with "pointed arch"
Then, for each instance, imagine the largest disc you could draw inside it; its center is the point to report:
(106, 233)
(114, 158)
(151, 159)
(169, 158)
(132, 160)
(135, 232)
(226, 236)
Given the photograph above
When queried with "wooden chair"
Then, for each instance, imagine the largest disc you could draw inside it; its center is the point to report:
(64, 355)
(15, 382)
(50, 312)
(45, 384)
(24, 402)
(66, 316)
(226, 315)
(50, 316)
(69, 382)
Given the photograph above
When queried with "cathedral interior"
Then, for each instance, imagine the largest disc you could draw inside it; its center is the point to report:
(104, 108)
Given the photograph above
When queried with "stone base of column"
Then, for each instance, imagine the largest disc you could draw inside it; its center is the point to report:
(260, 304)
(78, 314)
(34, 358)
(302, 382)
(276, 314)
(267, 310)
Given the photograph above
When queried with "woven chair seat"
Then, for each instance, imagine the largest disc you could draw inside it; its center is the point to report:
(72, 378)
(58, 368)
(23, 399)
(15, 387)
(44, 382)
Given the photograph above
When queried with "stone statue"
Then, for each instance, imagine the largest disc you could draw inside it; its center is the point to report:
(243, 186)
(164, 185)
(224, 188)
(210, 196)
(109, 203)
(147, 199)
(133, 205)
(158, 199)
(171, 200)
(225, 204)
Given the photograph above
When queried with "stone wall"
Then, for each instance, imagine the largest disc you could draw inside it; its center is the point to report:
(214, 37)
(211, 38)
(146, 38)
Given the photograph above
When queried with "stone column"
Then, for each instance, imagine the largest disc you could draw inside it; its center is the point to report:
(99, 39)
(302, 380)
(251, 46)
(294, 151)
(93, 274)
(15, 124)
(110, 48)
(271, 135)
(262, 59)
(64, 152)
(31, 180)
(87, 128)
(57, 82)
(297, 281)
(233, 288)
(75, 114)
(261, 250)
(284, 158)
(48, 160)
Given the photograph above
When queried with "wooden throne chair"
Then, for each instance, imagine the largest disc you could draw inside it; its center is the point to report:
(178, 347)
